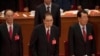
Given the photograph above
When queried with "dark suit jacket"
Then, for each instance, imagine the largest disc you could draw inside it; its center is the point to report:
(87, 4)
(39, 45)
(32, 4)
(64, 4)
(41, 10)
(77, 45)
(9, 4)
(10, 47)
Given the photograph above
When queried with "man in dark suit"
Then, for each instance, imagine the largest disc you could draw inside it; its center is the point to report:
(87, 4)
(48, 6)
(32, 4)
(10, 37)
(45, 38)
(81, 37)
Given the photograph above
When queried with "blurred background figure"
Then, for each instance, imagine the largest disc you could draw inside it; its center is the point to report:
(31, 4)
(87, 4)
(65, 4)
(9, 4)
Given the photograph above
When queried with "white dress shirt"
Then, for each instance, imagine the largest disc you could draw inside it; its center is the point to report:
(47, 30)
(81, 27)
(48, 6)
(8, 25)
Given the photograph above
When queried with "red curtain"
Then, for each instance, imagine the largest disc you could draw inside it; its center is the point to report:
(21, 6)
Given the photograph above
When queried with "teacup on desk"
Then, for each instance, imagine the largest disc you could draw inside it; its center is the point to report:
(32, 13)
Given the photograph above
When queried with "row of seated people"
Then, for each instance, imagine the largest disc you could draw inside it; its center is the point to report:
(28, 5)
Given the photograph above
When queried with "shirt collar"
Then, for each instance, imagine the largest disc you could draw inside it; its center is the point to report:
(8, 25)
(81, 26)
(48, 5)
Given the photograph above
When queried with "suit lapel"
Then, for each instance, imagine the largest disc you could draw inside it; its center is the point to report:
(44, 33)
(14, 29)
(52, 9)
(6, 31)
(44, 9)
(80, 33)
(51, 33)
(87, 28)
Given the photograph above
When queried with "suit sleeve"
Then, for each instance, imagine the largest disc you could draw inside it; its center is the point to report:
(57, 45)
(93, 42)
(33, 43)
(58, 20)
(71, 41)
(21, 42)
(36, 19)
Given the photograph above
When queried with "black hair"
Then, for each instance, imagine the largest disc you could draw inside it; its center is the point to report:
(79, 13)
(47, 14)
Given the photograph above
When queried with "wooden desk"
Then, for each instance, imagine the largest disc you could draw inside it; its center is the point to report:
(66, 20)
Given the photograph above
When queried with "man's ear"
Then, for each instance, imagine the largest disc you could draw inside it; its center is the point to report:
(78, 18)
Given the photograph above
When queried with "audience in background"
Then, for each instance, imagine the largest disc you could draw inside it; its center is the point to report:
(9, 4)
(88, 4)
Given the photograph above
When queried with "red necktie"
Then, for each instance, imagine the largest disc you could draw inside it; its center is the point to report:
(10, 32)
(84, 34)
(48, 35)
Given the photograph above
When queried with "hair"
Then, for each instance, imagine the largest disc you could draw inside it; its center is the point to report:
(7, 11)
(47, 14)
(79, 13)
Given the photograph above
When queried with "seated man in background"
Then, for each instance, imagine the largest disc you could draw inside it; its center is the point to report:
(88, 4)
(65, 4)
(9, 4)
(30, 5)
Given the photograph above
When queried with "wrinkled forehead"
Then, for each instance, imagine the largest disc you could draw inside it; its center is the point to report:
(49, 17)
